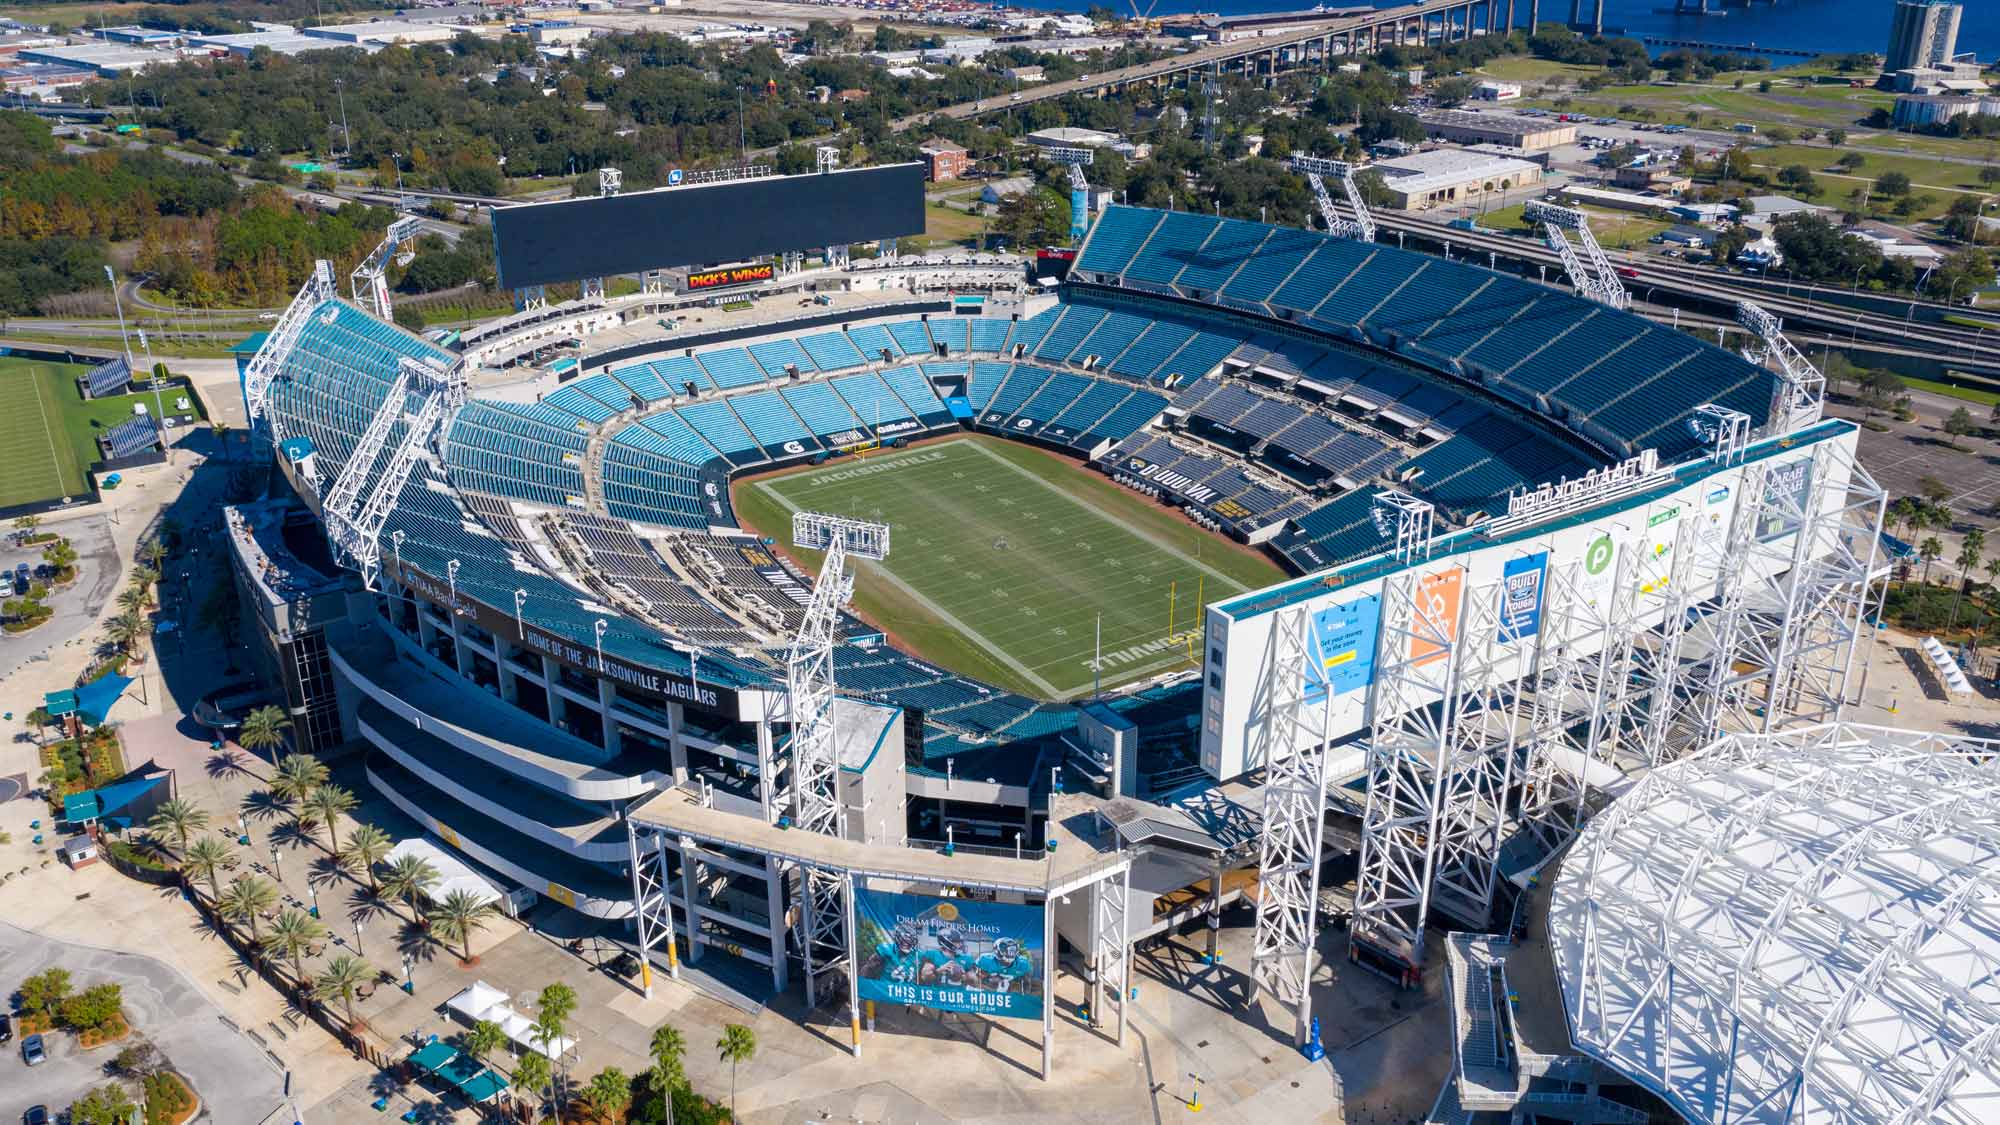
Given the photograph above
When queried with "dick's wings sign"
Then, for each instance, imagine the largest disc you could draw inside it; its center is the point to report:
(728, 276)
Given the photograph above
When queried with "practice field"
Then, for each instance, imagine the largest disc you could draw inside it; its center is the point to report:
(1002, 557)
(48, 431)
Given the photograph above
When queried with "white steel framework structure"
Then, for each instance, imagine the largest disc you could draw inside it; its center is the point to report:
(1800, 397)
(370, 281)
(1111, 946)
(271, 358)
(1294, 735)
(361, 501)
(1361, 227)
(1795, 927)
(1592, 273)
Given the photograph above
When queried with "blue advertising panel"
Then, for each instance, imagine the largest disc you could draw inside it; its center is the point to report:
(1521, 608)
(950, 953)
(1344, 646)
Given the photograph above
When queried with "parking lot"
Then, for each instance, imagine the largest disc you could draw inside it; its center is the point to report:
(238, 1083)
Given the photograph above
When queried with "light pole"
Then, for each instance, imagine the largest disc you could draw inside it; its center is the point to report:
(312, 893)
(598, 629)
(451, 579)
(346, 138)
(118, 303)
(159, 410)
(409, 974)
(277, 866)
(520, 628)
(357, 937)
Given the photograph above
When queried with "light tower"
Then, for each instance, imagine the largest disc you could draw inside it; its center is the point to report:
(1801, 392)
(1076, 160)
(1593, 274)
(369, 283)
(1361, 228)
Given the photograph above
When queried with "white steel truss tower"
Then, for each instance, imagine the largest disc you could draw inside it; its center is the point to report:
(1440, 760)
(370, 282)
(1111, 961)
(824, 897)
(356, 534)
(1361, 227)
(1294, 736)
(270, 359)
(1800, 397)
(1593, 274)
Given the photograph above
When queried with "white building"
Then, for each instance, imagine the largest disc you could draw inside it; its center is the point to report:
(1447, 176)
(384, 32)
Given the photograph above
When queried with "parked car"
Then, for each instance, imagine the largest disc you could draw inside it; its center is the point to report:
(6, 1028)
(32, 1051)
(36, 1115)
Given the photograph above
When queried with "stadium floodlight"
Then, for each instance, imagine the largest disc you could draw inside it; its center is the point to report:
(369, 283)
(1726, 432)
(1800, 398)
(271, 358)
(610, 181)
(1593, 274)
(816, 531)
(1361, 228)
(1408, 520)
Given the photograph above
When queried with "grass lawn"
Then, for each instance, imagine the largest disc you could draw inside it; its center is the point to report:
(1003, 556)
(950, 226)
(48, 432)
(1618, 230)
(1524, 68)
(1952, 390)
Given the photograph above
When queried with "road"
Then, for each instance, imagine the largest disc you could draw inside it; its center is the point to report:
(237, 1081)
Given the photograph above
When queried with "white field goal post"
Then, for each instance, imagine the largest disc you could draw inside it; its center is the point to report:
(815, 532)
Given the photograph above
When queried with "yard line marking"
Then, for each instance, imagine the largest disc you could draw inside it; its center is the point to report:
(1138, 533)
(941, 613)
(40, 404)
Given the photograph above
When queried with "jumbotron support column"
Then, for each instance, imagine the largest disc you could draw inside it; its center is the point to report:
(1076, 160)
(652, 903)
(1361, 228)
(1489, 652)
(1293, 750)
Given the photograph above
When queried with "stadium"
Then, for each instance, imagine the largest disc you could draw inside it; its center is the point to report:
(1243, 550)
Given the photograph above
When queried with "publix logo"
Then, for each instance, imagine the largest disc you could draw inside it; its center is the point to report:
(1598, 555)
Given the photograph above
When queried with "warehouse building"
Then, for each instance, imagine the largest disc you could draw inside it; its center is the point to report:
(1447, 176)
(1465, 127)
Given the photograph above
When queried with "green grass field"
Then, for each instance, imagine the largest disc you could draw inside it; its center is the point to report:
(48, 432)
(1003, 556)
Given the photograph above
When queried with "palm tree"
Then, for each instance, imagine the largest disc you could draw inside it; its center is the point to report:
(409, 876)
(607, 1093)
(668, 1049)
(132, 599)
(737, 1044)
(343, 977)
(153, 552)
(325, 805)
(207, 858)
(126, 629)
(179, 819)
(145, 577)
(247, 898)
(532, 1074)
(459, 916)
(366, 846)
(298, 775)
(1970, 550)
(292, 933)
(264, 729)
(552, 1011)
(484, 1038)
(1902, 512)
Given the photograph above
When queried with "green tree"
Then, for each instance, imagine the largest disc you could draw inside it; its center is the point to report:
(109, 1104)
(246, 900)
(608, 1094)
(532, 1075)
(342, 979)
(1836, 137)
(553, 1007)
(1961, 274)
(179, 819)
(459, 916)
(1892, 183)
(297, 776)
(1970, 550)
(1959, 423)
(264, 729)
(408, 877)
(668, 1051)
(125, 630)
(326, 804)
(293, 932)
(482, 1039)
(132, 599)
(367, 846)
(206, 859)
(737, 1045)
(92, 1008)
(44, 992)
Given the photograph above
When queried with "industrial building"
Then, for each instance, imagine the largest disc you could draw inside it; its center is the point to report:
(945, 160)
(1467, 127)
(109, 60)
(1447, 176)
(384, 32)
(281, 41)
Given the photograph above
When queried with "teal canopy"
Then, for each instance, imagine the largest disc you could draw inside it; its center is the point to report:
(483, 1087)
(434, 1057)
(59, 703)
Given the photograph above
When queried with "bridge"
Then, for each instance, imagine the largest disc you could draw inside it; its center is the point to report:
(1315, 45)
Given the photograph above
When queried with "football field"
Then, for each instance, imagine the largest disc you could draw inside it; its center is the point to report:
(1004, 557)
(36, 461)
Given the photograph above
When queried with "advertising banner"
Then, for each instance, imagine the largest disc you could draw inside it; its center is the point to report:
(1438, 596)
(1662, 528)
(1600, 571)
(1786, 488)
(950, 954)
(1343, 639)
(1521, 608)
(729, 275)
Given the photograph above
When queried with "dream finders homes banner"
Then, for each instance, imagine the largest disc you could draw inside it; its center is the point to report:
(950, 954)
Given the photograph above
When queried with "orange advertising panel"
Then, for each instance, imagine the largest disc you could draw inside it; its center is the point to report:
(730, 275)
(1438, 596)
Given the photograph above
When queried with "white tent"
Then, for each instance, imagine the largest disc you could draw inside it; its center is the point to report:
(482, 1001)
(453, 874)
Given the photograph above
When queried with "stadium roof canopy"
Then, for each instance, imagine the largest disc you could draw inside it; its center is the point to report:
(1795, 927)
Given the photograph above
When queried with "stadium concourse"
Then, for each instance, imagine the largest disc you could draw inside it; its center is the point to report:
(567, 547)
